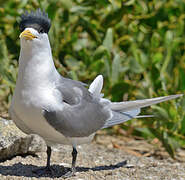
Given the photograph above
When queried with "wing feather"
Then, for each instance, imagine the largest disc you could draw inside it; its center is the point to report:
(82, 113)
(130, 105)
(120, 117)
(80, 120)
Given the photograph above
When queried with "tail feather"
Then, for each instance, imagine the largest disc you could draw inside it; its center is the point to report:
(130, 105)
(124, 111)
(144, 116)
(120, 117)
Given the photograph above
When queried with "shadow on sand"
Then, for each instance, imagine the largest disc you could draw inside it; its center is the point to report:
(25, 170)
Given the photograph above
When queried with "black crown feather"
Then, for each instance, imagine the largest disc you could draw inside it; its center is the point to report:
(38, 20)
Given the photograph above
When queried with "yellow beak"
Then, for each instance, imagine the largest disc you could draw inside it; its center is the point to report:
(27, 35)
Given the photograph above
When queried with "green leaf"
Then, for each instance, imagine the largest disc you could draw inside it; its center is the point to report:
(107, 67)
(116, 64)
(163, 137)
(145, 132)
(168, 146)
(67, 4)
(157, 57)
(135, 67)
(52, 9)
(129, 3)
(168, 38)
(118, 90)
(100, 52)
(182, 78)
(108, 41)
(183, 126)
(160, 112)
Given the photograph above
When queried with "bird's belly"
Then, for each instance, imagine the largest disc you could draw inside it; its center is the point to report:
(32, 118)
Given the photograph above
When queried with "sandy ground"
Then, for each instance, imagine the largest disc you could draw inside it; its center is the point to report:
(101, 159)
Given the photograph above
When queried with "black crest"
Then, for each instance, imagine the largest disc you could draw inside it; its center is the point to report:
(38, 20)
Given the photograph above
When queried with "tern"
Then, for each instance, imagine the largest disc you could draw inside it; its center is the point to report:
(61, 110)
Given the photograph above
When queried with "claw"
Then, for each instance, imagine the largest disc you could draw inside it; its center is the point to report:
(70, 173)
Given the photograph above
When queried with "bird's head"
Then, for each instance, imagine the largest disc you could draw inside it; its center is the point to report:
(34, 27)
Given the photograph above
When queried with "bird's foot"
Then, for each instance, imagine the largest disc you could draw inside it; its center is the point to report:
(70, 173)
(43, 171)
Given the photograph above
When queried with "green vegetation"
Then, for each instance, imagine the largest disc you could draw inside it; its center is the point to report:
(137, 45)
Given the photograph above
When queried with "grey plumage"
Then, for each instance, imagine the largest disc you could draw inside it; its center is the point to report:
(120, 117)
(82, 113)
(129, 105)
(124, 111)
(72, 91)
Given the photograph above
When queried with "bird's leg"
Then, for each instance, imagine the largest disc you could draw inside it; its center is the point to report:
(48, 168)
(73, 168)
(74, 156)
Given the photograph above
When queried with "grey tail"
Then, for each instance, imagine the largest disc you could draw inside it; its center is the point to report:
(124, 111)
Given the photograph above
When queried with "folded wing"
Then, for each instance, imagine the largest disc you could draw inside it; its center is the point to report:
(84, 111)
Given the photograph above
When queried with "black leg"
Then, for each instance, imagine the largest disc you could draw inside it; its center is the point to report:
(73, 168)
(74, 156)
(48, 156)
(48, 168)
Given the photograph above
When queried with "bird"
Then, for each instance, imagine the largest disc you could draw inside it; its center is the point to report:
(61, 110)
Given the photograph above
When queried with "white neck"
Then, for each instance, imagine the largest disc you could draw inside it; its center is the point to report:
(36, 66)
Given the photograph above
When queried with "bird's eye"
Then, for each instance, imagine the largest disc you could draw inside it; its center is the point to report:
(41, 30)
(22, 29)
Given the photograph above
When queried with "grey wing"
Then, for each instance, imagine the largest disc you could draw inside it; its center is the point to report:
(82, 114)
(79, 120)
(72, 91)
